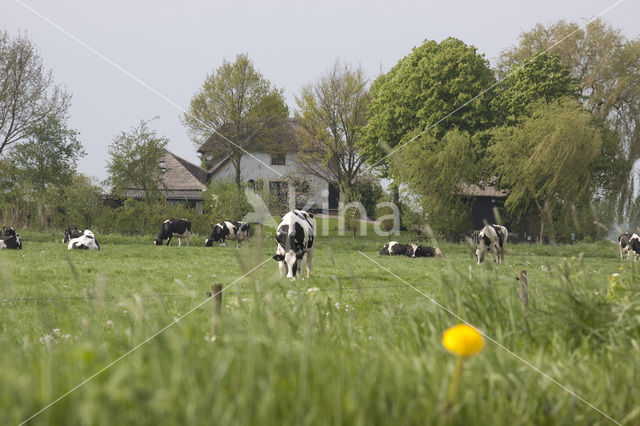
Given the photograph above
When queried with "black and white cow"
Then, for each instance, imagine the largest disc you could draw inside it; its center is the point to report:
(494, 238)
(629, 243)
(294, 241)
(425, 251)
(86, 241)
(7, 232)
(238, 231)
(394, 248)
(180, 228)
(11, 242)
(70, 233)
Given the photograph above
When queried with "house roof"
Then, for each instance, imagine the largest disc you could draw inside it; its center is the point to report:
(182, 180)
(482, 190)
(284, 140)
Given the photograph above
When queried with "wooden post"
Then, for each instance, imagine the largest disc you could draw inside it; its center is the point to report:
(216, 308)
(524, 296)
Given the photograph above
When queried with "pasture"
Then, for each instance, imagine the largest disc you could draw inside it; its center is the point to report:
(352, 345)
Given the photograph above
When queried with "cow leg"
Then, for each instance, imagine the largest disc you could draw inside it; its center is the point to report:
(169, 240)
(282, 268)
(494, 251)
(179, 241)
(309, 259)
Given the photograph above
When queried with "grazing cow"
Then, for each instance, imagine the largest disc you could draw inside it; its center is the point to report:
(394, 248)
(70, 233)
(492, 237)
(12, 242)
(294, 241)
(425, 251)
(238, 231)
(180, 228)
(628, 243)
(7, 232)
(86, 241)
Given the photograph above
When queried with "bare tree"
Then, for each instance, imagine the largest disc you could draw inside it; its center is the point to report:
(331, 114)
(28, 94)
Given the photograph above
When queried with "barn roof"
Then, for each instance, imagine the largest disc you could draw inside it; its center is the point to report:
(182, 180)
(283, 141)
(482, 190)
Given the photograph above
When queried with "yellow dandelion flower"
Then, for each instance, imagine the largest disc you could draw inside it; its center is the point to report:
(462, 340)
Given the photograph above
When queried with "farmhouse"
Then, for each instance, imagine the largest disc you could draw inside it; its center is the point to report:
(273, 167)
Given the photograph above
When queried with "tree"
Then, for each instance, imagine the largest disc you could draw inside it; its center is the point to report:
(28, 95)
(435, 170)
(134, 162)
(606, 67)
(241, 106)
(543, 77)
(548, 161)
(331, 114)
(48, 156)
(424, 87)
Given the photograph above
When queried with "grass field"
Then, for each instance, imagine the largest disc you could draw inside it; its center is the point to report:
(353, 345)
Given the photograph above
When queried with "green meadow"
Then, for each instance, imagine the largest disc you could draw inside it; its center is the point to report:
(128, 331)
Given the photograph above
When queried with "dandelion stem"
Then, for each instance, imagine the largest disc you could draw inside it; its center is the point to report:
(455, 383)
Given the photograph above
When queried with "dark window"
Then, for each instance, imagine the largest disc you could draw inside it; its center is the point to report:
(278, 159)
(251, 184)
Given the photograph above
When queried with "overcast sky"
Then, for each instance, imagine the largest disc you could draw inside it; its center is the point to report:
(171, 46)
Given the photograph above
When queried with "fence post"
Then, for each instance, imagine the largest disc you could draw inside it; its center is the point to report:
(216, 308)
(524, 296)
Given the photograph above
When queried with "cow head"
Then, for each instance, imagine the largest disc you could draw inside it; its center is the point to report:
(70, 233)
(384, 250)
(157, 241)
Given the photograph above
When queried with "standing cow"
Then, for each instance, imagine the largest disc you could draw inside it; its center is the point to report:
(629, 243)
(238, 231)
(494, 238)
(180, 228)
(86, 241)
(294, 242)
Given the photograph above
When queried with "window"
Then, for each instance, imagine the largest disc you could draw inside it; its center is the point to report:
(163, 166)
(251, 184)
(278, 159)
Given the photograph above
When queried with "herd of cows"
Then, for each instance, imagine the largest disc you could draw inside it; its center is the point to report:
(295, 237)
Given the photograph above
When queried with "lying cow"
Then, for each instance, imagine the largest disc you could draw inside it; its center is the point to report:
(180, 228)
(425, 251)
(238, 231)
(394, 248)
(494, 238)
(70, 233)
(11, 242)
(86, 241)
(294, 242)
(7, 232)
(629, 243)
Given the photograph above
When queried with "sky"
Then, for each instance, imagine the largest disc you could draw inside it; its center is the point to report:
(124, 61)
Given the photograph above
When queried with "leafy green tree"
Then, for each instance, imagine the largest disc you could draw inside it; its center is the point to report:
(606, 67)
(241, 106)
(547, 162)
(544, 77)
(49, 154)
(224, 201)
(134, 161)
(331, 114)
(28, 95)
(81, 204)
(436, 169)
(423, 88)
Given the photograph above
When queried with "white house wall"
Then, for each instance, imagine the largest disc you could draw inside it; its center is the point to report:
(252, 169)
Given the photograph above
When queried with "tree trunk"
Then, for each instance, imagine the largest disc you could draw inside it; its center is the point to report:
(238, 179)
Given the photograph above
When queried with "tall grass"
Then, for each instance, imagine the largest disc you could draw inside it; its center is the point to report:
(286, 353)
